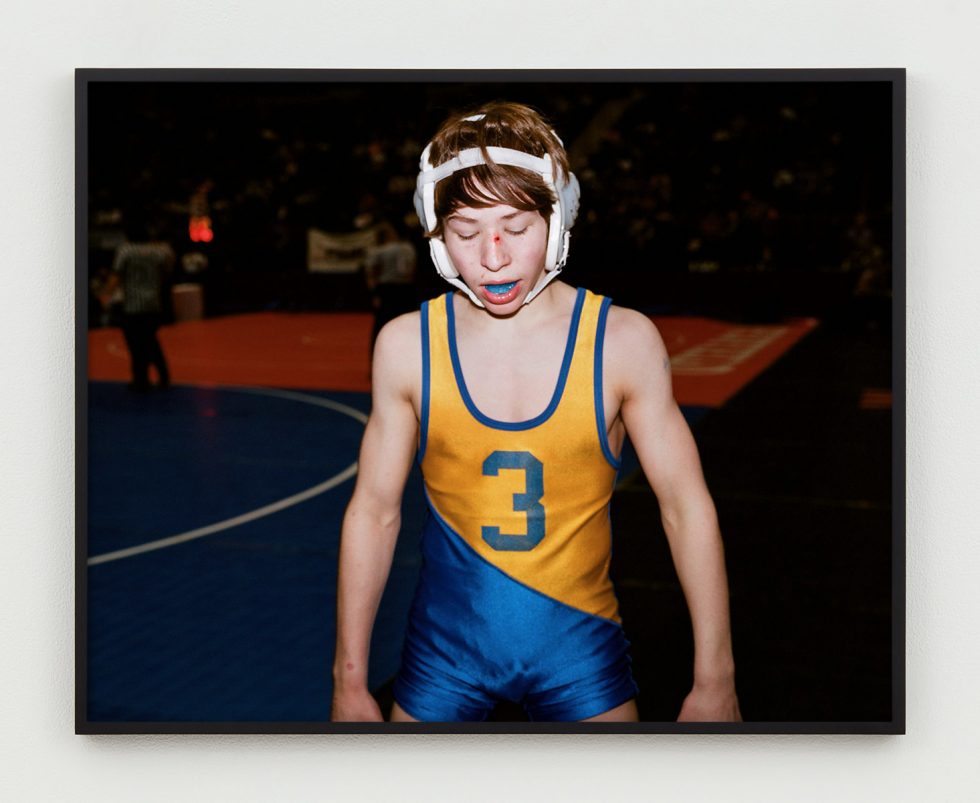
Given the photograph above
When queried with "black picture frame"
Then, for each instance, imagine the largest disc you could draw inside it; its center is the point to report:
(890, 81)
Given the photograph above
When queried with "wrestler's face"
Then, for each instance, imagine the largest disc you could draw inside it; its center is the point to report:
(499, 252)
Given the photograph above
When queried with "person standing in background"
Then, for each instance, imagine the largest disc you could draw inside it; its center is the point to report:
(144, 265)
(390, 277)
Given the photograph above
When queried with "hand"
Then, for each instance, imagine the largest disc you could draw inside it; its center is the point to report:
(354, 706)
(711, 704)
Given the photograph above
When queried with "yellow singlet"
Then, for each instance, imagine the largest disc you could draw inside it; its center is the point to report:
(514, 599)
(532, 498)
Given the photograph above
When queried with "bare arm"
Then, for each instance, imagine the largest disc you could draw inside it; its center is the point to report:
(641, 376)
(373, 517)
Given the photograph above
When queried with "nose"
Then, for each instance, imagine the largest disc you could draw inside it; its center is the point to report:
(494, 254)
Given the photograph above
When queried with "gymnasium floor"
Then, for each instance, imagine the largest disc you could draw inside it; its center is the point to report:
(214, 512)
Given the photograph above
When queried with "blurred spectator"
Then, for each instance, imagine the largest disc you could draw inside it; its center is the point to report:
(390, 275)
(144, 266)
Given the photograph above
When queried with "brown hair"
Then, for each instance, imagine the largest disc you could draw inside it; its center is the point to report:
(506, 125)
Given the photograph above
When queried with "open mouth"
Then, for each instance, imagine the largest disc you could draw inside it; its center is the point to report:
(500, 289)
(500, 293)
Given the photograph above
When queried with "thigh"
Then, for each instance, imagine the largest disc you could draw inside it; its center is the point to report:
(426, 692)
(621, 713)
(398, 714)
(595, 693)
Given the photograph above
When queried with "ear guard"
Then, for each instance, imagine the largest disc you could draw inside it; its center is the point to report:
(563, 212)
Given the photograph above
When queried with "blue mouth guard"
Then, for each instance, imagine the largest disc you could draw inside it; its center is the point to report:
(500, 289)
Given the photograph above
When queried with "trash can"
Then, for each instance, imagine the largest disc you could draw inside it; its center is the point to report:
(188, 301)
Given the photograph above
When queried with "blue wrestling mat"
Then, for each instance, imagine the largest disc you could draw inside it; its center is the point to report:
(236, 623)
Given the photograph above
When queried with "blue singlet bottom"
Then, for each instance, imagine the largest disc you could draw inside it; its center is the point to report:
(477, 636)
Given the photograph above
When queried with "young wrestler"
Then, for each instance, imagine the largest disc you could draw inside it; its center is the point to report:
(516, 393)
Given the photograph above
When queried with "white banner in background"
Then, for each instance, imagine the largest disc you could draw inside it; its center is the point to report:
(338, 253)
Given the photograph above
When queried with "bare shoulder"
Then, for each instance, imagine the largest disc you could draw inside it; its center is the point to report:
(401, 332)
(638, 370)
(398, 354)
(633, 343)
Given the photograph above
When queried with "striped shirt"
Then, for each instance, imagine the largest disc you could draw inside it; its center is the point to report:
(143, 267)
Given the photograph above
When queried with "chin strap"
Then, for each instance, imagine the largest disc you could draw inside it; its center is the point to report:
(440, 256)
(542, 282)
(548, 275)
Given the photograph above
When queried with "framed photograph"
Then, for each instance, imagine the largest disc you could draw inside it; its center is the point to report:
(244, 235)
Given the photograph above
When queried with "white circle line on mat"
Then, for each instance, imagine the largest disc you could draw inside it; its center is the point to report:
(258, 513)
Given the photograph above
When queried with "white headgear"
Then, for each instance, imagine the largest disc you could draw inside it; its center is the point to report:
(563, 211)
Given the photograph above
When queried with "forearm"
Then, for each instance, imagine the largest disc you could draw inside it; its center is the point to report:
(696, 547)
(366, 548)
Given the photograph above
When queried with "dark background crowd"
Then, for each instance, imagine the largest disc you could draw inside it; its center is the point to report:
(746, 201)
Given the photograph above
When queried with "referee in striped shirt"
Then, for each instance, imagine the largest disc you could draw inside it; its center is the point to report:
(144, 266)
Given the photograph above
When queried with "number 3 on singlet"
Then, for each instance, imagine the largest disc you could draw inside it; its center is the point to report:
(527, 502)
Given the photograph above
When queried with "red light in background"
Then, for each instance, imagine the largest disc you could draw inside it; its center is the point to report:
(200, 230)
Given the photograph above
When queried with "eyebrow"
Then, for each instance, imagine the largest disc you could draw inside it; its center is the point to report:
(462, 219)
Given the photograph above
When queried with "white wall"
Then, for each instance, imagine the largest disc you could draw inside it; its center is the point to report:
(40, 44)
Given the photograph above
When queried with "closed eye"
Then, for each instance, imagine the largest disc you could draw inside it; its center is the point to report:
(512, 233)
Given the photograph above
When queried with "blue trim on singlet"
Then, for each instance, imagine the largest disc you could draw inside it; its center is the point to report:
(600, 410)
(514, 426)
(426, 374)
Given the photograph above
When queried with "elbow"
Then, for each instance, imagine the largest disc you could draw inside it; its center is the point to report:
(689, 517)
(378, 517)
(675, 520)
